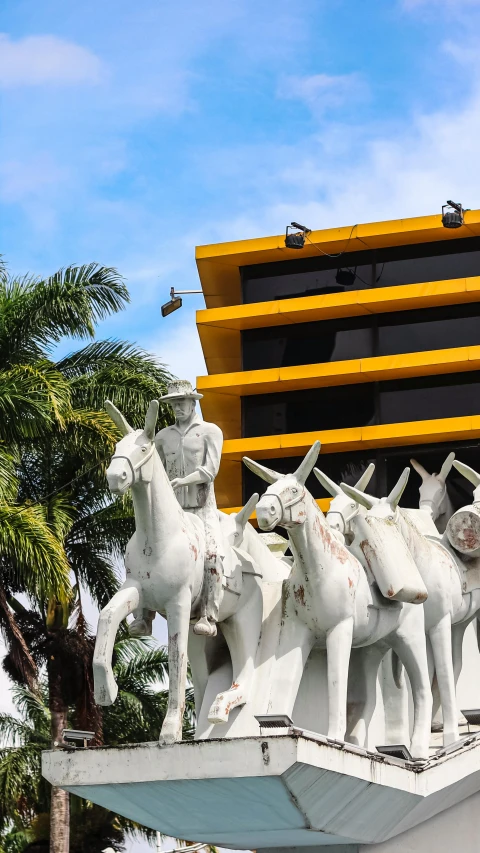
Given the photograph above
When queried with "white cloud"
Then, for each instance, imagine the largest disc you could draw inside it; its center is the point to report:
(320, 92)
(41, 60)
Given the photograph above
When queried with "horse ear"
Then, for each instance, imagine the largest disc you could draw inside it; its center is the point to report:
(359, 497)
(327, 483)
(419, 469)
(467, 472)
(306, 466)
(446, 467)
(151, 419)
(365, 478)
(399, 488)
(265, 473)
(118, 418)
(244, 514)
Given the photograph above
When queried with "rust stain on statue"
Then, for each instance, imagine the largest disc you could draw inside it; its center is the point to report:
(299, 595)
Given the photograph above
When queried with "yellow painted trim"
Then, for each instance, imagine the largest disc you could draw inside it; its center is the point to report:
(305, 309)
(219, 264)
(219, 328)
(323, 503)
(351, 372)
(355, 438)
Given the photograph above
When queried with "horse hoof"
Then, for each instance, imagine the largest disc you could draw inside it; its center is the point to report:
(168, 735)
(216, 715)
(205, 628)
(140, 628)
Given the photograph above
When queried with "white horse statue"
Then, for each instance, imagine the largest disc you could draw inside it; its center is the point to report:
(453, 600)
(164, 563)
(331, 600)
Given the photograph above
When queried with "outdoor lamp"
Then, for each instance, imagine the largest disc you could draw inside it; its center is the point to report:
(345, 277)
(296, 240)
(175, 301)
(452, 215)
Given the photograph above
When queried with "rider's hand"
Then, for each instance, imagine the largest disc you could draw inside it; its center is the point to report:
(176, 483)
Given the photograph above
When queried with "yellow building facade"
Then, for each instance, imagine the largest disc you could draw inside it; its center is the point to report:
(367, 338)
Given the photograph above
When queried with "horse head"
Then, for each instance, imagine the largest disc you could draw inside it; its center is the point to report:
(284, 502)
(133, 459)
(343, 509)
(433, 490)
(379, 537)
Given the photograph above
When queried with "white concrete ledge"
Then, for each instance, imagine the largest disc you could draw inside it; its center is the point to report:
(265, 792)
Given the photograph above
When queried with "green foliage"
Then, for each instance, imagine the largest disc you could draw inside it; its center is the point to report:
(140, 670)
(61, 532)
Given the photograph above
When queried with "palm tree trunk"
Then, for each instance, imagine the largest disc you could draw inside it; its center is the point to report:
(60, 800)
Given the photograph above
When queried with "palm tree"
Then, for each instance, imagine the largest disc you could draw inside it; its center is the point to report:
(137, 716)
(55, 441)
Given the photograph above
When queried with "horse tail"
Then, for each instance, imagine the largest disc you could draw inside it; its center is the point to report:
(397, 670)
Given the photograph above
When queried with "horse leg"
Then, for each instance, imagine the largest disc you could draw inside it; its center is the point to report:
(339, 646)
(458, 633)
(242, 633)
(294, 646)
(124, 602)
(441, 640)
(178, 620)
(362, 691)
(198, 658)
(409, 643)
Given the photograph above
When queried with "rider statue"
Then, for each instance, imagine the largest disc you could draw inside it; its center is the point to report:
(190, 450)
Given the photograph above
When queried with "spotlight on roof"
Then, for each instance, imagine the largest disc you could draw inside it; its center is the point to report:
(452, 215)
(175, 301)
(296, 239)
(76, 736)
(273, 721)
(345, 277)
(395, 750)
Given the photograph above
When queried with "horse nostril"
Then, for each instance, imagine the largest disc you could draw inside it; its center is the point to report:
(124, 475)
(272, 510)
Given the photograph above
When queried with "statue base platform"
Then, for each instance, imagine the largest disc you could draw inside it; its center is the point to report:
(284, 791)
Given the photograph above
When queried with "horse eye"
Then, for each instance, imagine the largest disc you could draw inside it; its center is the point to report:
(294, 491)
(144, 449)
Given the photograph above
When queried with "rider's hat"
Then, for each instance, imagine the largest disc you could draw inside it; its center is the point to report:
(181, 389)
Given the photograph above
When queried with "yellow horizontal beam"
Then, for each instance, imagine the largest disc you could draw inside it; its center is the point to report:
(355, 303)
(354, 438)
(323, 503)
(351, 372)
(219, 264)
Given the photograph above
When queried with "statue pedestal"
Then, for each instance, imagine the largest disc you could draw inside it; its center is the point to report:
(285, 791)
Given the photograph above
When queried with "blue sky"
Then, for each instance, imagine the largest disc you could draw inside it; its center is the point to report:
(131, 132)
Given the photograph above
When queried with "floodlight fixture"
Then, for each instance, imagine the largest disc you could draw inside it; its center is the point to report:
(345, 277)
(274, 721)
(296, 239)
(175, 301)
(472, 716)
(395, 750)
(76, 736)
(452, 215)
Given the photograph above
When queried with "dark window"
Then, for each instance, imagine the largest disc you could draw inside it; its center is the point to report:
(343, 406)
(390, 462)
(304, 411)
(361, 337)
(381, 268)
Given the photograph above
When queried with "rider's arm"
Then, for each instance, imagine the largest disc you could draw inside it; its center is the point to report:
(205, 473)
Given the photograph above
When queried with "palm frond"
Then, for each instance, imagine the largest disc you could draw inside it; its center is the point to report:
(37, 559)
